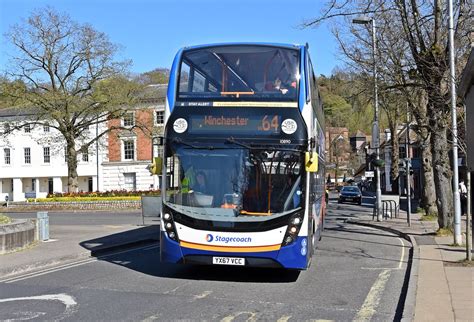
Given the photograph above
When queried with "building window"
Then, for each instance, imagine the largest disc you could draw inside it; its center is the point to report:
(85, 155)
(46, 155)
(160, 117)
(27, 152)
(129, 150)
(27, 128)
(130, 181)
(128, 120)
(66, 155)
(46, 127)
(6, 153)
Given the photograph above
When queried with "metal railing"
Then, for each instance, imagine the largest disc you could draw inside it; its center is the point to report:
(390, 208)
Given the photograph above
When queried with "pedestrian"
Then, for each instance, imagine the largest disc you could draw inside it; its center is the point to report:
(463, 195)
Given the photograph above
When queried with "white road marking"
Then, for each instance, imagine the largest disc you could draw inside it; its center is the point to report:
(47, 270)
(203, 295)
(284, 318)
(67, 300)
(231, 318)
(403, 253)
(372, 300)
(68, 265)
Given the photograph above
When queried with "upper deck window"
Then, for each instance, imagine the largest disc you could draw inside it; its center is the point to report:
(250, 73)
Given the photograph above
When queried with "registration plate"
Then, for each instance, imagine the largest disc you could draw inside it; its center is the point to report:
(228, 261)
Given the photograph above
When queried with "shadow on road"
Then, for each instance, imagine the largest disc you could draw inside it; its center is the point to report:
(138, 250)
(118, 241)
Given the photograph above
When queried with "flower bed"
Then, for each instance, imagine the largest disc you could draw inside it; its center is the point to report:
(101, 194)
(76, 198)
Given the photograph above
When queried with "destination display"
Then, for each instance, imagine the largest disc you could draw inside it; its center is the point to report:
(260, 124)
(237, 104)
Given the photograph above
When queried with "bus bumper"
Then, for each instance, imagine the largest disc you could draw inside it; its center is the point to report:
(293, 256)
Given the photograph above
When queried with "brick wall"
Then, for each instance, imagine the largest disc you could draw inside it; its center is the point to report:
(143, 147)
(143, 117)
(114, 142)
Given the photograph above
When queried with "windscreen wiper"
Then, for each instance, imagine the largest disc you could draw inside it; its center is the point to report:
(234, 141)
(180, 141)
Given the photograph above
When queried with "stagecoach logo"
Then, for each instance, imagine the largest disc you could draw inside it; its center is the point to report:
(210, 238)
(289, 126)
(180, 125)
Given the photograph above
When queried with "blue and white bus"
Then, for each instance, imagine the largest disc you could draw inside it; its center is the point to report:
(243, 170)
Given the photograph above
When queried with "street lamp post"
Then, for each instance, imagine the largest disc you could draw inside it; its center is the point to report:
(375, 126)
(457, 199)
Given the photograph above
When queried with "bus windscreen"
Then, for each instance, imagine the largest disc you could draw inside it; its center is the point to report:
(246, 73)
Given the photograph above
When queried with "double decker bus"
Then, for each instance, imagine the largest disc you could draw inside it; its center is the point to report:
(243, 157)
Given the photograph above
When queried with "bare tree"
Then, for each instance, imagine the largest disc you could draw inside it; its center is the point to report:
(421, 26)
(71, 78)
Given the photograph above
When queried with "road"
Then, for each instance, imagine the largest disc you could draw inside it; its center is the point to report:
(357, 273)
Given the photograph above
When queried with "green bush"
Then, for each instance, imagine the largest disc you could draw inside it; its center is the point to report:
(4, 219)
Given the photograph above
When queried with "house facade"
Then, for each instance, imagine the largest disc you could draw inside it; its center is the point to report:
(33, 158)
(130, 150)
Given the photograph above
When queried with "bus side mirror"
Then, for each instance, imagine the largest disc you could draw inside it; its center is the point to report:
(311, 161)
(156, 167)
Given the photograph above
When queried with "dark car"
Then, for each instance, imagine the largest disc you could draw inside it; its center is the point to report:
(350, 194)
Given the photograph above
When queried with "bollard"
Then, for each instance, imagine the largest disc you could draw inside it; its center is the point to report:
(43, 225)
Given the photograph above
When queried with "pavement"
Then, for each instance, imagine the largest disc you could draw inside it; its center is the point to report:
(439, 288)
(70, 243)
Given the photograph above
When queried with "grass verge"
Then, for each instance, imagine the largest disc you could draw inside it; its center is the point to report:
(444, 232)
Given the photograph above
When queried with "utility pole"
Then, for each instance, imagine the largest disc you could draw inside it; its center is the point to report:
(375, 126)
(468, 217)
(457, 199)
(408, 167)
(97, 154)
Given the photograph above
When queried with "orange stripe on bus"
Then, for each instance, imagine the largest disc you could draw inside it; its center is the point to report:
(232, 249)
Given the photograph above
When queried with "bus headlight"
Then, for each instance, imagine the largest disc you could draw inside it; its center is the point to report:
(169, 225)
(294, 225)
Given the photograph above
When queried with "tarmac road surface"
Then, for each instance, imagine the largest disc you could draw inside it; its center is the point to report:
(357, 273)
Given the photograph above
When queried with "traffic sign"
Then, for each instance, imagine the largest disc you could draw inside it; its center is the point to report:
(369, 174)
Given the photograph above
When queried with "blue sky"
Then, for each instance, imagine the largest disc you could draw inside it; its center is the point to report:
(151, 32)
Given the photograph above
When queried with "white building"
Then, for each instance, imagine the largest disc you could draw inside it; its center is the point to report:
(33, 159)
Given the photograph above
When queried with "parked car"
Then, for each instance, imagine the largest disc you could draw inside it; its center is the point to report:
(350, 194)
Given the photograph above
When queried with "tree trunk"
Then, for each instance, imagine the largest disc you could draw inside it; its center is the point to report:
(442, 175)
(72, 180)
(428, 197)
(395, 145)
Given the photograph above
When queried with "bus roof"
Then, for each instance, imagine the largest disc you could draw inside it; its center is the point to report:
(290, 46)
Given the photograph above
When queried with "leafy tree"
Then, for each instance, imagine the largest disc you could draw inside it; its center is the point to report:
(156, 76)
(422, 30)
(66, 71)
